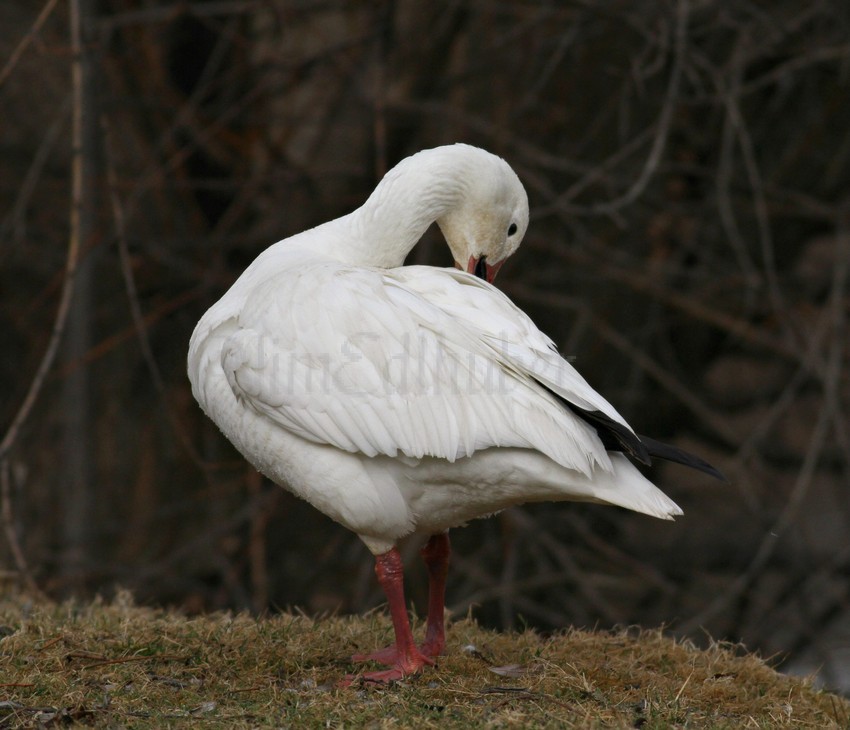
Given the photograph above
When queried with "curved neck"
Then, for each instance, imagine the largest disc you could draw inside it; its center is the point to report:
(410, 197)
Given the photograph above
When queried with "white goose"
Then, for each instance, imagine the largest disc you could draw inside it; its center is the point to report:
(409, 400)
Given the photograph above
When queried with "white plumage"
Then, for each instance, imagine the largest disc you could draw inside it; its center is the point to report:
(401, 400)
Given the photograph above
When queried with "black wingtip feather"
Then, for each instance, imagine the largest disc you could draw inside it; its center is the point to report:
(679, 456)
(617, 437)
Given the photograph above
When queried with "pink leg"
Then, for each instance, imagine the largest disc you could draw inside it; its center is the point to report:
(436, 556)
(404, 658)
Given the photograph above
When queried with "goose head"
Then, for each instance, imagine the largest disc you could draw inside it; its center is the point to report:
(489, 218)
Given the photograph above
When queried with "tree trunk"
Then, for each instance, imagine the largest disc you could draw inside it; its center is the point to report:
(76, 483)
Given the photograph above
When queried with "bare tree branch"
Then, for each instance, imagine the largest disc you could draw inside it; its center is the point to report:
(12, 534)
(24, 43)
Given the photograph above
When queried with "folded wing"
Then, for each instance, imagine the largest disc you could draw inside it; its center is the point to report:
(413, 361)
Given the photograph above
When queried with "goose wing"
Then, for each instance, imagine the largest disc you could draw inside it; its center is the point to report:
(414, 361)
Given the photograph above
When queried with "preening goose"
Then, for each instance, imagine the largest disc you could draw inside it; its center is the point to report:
(409, 400)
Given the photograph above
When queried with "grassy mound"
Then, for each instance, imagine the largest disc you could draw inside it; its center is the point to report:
(122, 666)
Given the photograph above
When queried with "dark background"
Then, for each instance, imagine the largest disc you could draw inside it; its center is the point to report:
(687, 166)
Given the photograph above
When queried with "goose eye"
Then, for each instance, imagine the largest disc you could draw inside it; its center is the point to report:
(512, 229)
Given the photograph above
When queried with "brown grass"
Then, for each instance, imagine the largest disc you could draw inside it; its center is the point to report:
(120, 665)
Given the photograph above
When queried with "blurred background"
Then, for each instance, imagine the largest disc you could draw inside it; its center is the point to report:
(687, 167)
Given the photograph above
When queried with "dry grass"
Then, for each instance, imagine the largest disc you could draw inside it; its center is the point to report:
(120, 665)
